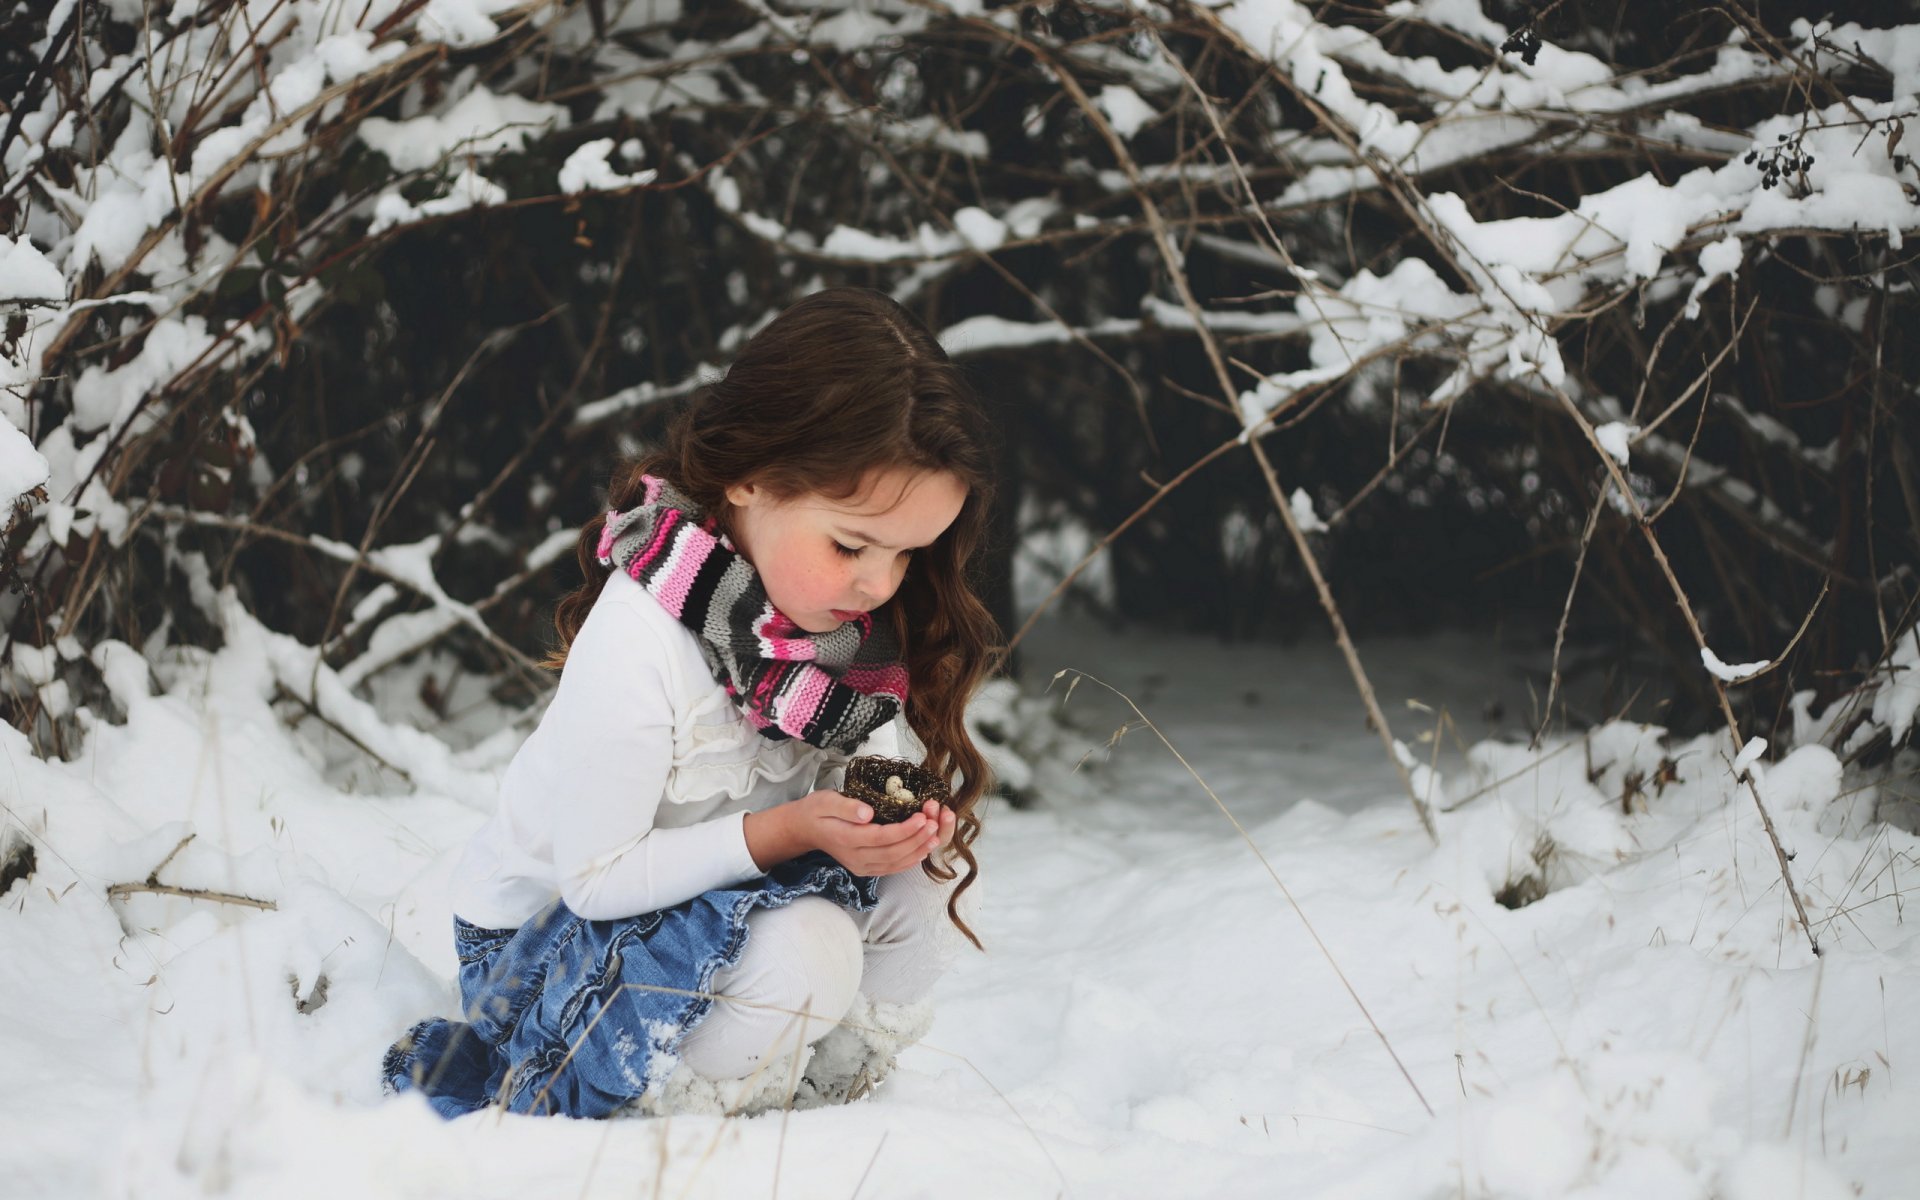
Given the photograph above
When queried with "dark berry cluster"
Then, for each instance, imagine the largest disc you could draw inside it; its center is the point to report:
(1525, 42)
(1786, 158)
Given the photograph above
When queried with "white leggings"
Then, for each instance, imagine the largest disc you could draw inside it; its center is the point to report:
(811, 955)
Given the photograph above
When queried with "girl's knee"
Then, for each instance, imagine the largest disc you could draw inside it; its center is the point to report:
(805, 955)
(819, 953)
(914, 905)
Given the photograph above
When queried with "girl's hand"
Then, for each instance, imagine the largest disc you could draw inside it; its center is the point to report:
(844, 828)
(942, 817)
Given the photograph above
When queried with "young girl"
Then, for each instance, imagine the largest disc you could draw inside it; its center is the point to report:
(672, 910)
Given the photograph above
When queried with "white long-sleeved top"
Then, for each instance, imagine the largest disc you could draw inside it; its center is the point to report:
(632, 793)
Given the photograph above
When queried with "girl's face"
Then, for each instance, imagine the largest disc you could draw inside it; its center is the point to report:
(825, 561)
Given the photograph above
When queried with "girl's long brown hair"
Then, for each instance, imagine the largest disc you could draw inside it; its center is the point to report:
(844, 382)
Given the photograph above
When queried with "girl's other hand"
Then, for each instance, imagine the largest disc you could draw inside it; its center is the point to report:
(844, 828)
(942, 816)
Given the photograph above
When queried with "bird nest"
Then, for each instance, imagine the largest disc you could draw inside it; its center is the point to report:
(894, 787)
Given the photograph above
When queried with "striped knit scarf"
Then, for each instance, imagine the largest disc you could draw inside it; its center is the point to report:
(828, 689)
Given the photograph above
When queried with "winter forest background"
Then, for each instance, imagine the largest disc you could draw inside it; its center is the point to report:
(1479, 437)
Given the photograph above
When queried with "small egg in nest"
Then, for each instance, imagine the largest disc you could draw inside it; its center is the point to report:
(894, 787)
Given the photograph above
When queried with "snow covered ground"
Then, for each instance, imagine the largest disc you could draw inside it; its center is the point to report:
(1154, 1017)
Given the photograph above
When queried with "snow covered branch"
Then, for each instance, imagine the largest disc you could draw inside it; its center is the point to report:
(1431, 214)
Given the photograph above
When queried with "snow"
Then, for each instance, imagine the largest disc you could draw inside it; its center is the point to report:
(1894, 705)
(587, 169)
(1054, 543)
(1152, 1017)
(480, 123)
(1286, 32)
(25, 273)
(979, 334)
(1896, 50)
(1729, 673)
(1368, 313)
(104, 398)
(1155, 1016)
(1718, 260)
(1774, 1172)
(973, 335)
(1124, 109)
(1614, 437)
(643, 96)
(851, 30)
(1303, 514)
(119, 196)
(22, 468)
(980, 228)
(469, 189)
(1525, 274)
(975, 228)
(462, 22)
(1640, 220)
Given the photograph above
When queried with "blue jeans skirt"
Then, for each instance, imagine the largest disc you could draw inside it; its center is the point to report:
(578, 1018)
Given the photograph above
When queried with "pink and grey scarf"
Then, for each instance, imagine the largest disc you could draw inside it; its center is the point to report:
(828, 689)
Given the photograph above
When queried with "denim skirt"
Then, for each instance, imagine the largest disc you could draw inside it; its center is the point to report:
(578, 1018)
